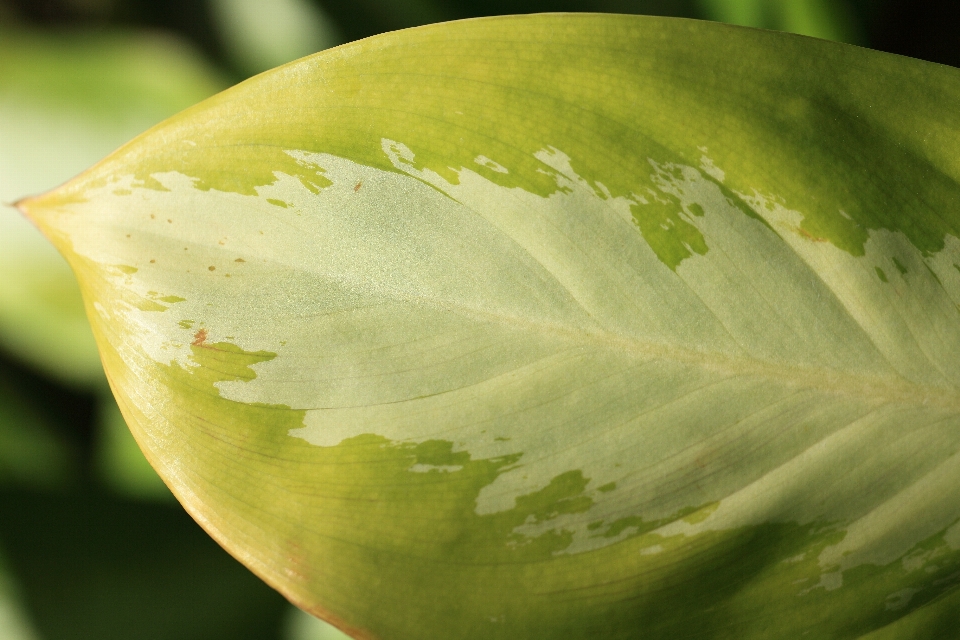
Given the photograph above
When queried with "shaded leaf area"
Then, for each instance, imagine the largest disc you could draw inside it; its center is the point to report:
(99, 568)
(940, 618)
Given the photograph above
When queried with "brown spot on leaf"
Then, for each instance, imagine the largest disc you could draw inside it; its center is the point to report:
(239, 260)
(809, 236)
(199, 338)
(152, 261)
(357, 188)
(212, 268)
(169, 220)
(153, 217)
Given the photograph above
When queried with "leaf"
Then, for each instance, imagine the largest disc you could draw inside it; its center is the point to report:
(91, 567)
(31, 454)
(65, 102)
(820, 18)
(13, 620)
(553, 326)
(301, 626)
(260, 36)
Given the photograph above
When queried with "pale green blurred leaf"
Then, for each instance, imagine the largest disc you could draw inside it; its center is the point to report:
(14, 624)
(261, 35)
(561, 326)
(303, 626)
(67, 100)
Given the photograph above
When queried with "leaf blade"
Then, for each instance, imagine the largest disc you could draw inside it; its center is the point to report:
(465, 244)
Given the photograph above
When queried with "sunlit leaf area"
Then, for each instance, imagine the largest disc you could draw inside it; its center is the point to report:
(93, 545)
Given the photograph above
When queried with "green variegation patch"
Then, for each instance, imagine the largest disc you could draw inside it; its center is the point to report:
(553, 326)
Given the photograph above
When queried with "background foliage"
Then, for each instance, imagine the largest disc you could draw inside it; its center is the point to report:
(91, 543)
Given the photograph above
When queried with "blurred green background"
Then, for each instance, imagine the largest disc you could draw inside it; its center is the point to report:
(92, 544)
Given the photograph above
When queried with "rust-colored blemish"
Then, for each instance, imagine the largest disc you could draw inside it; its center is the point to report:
(152, 261)
(153, 217)
(169, 220)
(239, 260)
(199, 338)
(357, 188)
(296, 562)
(212, 268)
(809, 236)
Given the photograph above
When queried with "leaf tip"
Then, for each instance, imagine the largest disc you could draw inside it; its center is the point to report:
(38, 210)
(23, 206)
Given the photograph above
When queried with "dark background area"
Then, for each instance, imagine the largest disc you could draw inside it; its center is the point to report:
(94, 564)
(925, 29)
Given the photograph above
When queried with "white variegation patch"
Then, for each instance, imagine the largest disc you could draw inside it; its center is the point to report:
(776, 374)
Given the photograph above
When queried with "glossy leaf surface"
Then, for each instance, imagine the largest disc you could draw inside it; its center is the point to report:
(553, 327)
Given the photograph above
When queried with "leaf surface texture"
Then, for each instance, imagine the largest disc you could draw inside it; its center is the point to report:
(553, 326)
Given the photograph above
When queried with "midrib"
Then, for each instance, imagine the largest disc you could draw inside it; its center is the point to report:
(872, 389)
